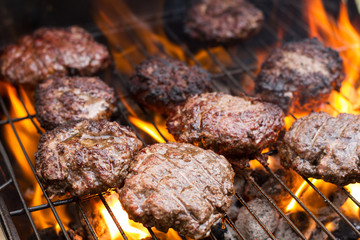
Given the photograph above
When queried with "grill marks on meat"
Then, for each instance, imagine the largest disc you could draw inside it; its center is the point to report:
(62, 99)
(321, 146)
(163, 83)
(223, 20)
(179, 186)
(300, 75)
(237, 127)
(52, 51)
(85, 157)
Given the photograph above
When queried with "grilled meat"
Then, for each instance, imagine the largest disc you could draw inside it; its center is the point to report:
(85, 157)
(300, 75)
(321, 146)
(223, 20)
(62, 99)
(237, 127)
(179, 186)
(162, 83)
(52, 51)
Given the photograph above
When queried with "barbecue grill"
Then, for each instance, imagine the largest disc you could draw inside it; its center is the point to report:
(134, 33)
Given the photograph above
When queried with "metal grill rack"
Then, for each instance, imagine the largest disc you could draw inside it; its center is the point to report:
(230, 76)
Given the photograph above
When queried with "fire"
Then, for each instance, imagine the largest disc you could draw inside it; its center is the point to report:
(298, 193)
(341, 35)
(133, 230)
(29, 137)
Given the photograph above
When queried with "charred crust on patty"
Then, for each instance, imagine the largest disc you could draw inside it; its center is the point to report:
(179, 186)
(223, 20)
(161, 83)
(52, 52)
(300, 75)
(237, 127)
(85, 157)
(63, 99)
(324, 147)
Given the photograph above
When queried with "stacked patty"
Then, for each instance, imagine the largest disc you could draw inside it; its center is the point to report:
(300, 75)
(179, 186)
(85, 157)
(237, 127)
(223, 20)
(163, 83)
(63, 99)
(321, 146)
(52, 51)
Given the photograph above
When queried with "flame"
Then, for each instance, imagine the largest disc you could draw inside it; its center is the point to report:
(341, 35)
(29, 137)
(133, 230)
(298, 192)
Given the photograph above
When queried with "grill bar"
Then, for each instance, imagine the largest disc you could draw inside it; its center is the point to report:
(86, 221)
(292, 225)
(37, 179)
(243, 68)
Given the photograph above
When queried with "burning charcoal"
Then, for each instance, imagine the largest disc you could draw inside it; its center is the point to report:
(222, 232)
(271, 186)
(248, 225)
(235, 206)
(304, 223)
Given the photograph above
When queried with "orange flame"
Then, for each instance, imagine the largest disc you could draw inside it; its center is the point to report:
(29, 137)
(342, 36)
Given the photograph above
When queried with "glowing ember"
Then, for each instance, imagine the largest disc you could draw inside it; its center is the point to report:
(133, 230)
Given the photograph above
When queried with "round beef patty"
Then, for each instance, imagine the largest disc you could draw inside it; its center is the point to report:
(300, 75)
(223, 20)
(179, 186)
(52, 51)
(321, 146)
(85, 157)
(237, 127)
(60, 100)
(163, 83)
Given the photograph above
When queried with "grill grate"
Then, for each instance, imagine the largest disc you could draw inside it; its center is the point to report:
(228, 75)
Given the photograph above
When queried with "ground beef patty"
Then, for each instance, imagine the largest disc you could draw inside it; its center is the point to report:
(237, 127)
(223, 20)
(62, 99)
(52, 51)
(321, 146)
(85, 157)
(300, 75)
(179, 186)
(162, 83)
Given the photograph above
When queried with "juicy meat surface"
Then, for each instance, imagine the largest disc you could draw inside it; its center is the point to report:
(237, 127)
(300, 75)
(223, 20)
(163, 83)
(179, 186)
(85, 157)
(63, 99)
(321, 146)
(52, 51)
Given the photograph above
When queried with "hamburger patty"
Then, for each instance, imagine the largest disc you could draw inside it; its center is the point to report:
(223, 20)
(179, 186)
(85, 157)
(62, 99)
(321, 146)
(237, 127)
(52, 51)
(163, 83)
(300, 75)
